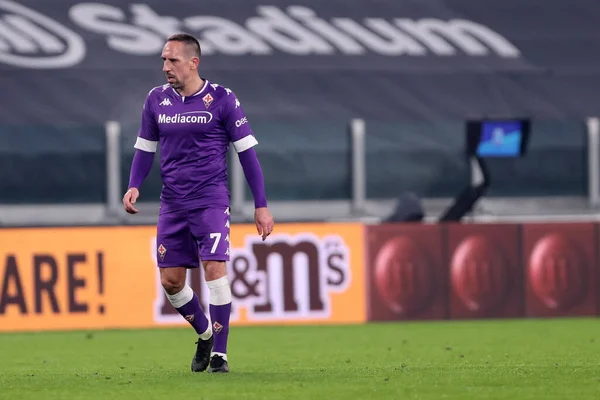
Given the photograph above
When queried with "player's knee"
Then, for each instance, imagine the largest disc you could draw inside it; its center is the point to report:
(214, 270)
(172, 284)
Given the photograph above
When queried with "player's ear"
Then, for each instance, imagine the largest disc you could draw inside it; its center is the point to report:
(194, 62)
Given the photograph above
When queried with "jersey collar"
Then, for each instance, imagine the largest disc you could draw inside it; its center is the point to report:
(195, 94)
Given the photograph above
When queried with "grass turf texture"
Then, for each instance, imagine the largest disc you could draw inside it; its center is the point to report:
(524, 359)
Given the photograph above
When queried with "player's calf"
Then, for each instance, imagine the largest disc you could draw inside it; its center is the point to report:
(186, 302)
(220, 312)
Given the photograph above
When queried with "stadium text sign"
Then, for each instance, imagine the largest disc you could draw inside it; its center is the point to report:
(307, 273)
(49, 283)
(106, 277)
(31, 39)
(79, 278)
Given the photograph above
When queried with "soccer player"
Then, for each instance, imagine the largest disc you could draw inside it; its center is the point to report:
(193, 121)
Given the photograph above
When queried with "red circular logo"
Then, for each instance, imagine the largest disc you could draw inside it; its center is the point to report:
(557, 272)
(480, 274)
(403, 276)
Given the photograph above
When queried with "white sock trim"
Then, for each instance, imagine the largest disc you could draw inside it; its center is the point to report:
(220, 291)
(207, 333)
(182, 298)
(212, 353)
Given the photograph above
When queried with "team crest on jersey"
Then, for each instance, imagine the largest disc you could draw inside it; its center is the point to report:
(162, 250)
(207, 99)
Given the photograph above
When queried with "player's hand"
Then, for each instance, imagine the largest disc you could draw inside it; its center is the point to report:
(129, 200)
(264, 222)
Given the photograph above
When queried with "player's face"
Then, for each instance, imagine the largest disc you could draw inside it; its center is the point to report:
(178, 64)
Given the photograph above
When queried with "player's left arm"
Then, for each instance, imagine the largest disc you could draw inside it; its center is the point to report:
(243, 140)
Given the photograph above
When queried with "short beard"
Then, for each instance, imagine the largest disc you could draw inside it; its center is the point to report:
(176, 85)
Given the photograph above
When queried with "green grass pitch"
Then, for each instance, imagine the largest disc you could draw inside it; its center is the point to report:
(516, 359)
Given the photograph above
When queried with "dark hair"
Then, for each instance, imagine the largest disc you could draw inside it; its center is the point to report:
(188, 40)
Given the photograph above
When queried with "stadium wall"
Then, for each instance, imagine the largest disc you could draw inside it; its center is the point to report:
(302, 160)
(335, 273)
(413, 70)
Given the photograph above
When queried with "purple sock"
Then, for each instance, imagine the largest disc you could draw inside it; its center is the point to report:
(190, 309)
(220, 311)
(220, 316)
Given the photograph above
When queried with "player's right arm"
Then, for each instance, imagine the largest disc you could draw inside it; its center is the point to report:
(145, 145)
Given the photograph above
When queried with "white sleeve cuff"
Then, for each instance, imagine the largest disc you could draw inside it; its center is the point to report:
(146, 145)
(245, 143)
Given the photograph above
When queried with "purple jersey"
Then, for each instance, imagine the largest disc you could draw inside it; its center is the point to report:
(193, 134)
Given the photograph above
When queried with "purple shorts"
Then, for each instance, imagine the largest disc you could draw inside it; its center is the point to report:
(184, 235)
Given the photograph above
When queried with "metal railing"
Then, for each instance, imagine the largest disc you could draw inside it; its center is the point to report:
(358, 207)
(593, 144)
(113, 168)
(357, 132)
